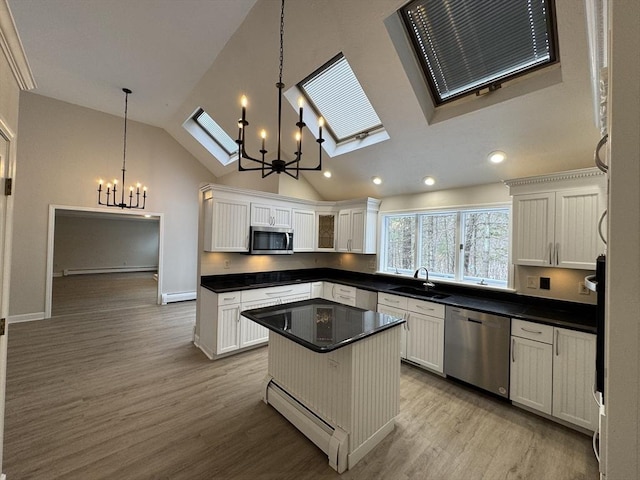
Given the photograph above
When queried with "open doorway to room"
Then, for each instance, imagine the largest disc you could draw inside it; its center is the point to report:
(101, 259)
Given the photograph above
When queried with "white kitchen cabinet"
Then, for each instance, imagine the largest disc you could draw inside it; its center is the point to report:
(223, 329)
(531, 365)
(574, 356)
(339, 293)
(357, 227)
(395, 305)
(304, 230)
(317, 289)
(325, 230)
(425, 334)
(553, 371)
(265, 215)
(226, 224)
(554, 226)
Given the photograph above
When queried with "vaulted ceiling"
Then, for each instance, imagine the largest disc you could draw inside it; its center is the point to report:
(177, 56)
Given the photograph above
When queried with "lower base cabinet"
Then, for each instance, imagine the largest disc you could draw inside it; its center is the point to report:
(223, 329)
(553, 371)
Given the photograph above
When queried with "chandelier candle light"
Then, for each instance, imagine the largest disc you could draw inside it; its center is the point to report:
(113, 189)
(278, 165)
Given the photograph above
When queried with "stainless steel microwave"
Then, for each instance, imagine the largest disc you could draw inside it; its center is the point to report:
(270, 241)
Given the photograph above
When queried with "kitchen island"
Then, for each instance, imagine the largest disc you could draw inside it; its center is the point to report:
(334, 373)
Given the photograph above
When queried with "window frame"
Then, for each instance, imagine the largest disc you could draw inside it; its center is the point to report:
(196, 118)
(486, 87)
(458, 276)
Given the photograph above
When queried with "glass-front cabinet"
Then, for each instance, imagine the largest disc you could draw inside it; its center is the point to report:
(326, 237)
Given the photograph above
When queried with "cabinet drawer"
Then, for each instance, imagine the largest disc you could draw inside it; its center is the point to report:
(275, 292)
(532, 331)
(391, 300)
(228, 298)
(425, 308)
(344, 291)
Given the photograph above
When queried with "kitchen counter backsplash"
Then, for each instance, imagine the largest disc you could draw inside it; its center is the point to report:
(577, 316)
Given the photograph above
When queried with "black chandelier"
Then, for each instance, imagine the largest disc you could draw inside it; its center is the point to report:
(278, 165)
(112, 190)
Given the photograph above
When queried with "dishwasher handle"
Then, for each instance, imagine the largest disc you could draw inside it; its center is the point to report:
(474, 321)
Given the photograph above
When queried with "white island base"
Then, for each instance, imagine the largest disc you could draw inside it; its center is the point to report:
(344, 401)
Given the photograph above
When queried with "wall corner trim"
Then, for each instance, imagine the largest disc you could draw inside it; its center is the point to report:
(13, 50)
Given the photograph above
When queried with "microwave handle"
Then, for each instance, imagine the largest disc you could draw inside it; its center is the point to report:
(288, 240)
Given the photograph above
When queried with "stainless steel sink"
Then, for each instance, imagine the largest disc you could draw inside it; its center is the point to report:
(420, 292)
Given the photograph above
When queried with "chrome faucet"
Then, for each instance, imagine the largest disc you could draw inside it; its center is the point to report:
(426, 284)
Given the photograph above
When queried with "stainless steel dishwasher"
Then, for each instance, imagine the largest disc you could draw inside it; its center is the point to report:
(476, 349)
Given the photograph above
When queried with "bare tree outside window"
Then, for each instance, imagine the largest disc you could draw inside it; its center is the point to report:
(486, 245)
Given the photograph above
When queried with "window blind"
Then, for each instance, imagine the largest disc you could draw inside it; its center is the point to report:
(337, 95)
(467, 45)
(216, 132)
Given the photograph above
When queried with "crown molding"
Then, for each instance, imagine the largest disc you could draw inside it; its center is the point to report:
(580, 174)
(13, 50)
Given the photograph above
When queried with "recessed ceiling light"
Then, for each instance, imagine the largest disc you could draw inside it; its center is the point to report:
(429, 181)
(327, 174)
(497, 157)
(376, 180)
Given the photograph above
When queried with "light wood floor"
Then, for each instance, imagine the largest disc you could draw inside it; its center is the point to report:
(125, 395)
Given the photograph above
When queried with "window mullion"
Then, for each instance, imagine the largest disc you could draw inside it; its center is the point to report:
(459, 257)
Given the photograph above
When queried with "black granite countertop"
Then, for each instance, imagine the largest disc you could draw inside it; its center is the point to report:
(322, 325)
(573, 315)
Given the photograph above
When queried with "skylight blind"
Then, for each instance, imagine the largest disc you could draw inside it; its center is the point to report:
(340, 99)
(216, 132)
(466, 45)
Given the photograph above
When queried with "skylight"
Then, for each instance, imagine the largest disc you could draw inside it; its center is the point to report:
(216, 132)
(465, 47)
(335, 93)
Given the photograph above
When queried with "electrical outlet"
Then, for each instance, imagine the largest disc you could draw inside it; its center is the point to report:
(227, 264)
(532, 282)
(582, 289)
(545, 283)
(372, 264)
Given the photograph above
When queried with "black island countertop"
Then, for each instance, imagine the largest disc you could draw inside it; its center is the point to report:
(572, 315)
(322, 325)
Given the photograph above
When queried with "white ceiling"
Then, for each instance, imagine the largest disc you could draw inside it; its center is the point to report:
(177, 55)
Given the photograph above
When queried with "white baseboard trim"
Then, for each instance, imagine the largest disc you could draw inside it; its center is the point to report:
(177, 297)
(25, 317)
(85, 271)
(210, 355)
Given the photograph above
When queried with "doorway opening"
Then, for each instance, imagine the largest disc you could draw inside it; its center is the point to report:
(101, 259)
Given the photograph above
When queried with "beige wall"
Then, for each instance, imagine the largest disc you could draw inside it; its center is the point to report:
(106, 242)
(622, 373)
(63, 151)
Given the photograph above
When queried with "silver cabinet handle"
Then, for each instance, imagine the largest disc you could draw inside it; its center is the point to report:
(425, 308)
(226, 299)
(550, 253)
(390, 300)
(406, 315)
(513, 350)
(531, 331)
(596, 157)
(557, 254)
(278, 293)
(557, 351)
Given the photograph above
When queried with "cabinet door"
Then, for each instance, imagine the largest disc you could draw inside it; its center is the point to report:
(252, 333)
(574, 362)
(343, 241)
(228, 328)
(533, 229)
(358, 223)
(229, 226)
(316, 290)
(260, 215)
(328, 290)
(531, 373)
(304, 230)
(577, 241)
(326, 232)
(396, 312)
(425, 341)
(281, 217)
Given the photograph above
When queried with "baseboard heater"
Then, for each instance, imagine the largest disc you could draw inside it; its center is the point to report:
(331, 440)
(177, 297)
(86, 271)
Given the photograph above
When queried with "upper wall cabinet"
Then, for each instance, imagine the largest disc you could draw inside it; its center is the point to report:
(556, 219)
(265, 215)
(357, 227)
(226, 223)
(228, 212)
